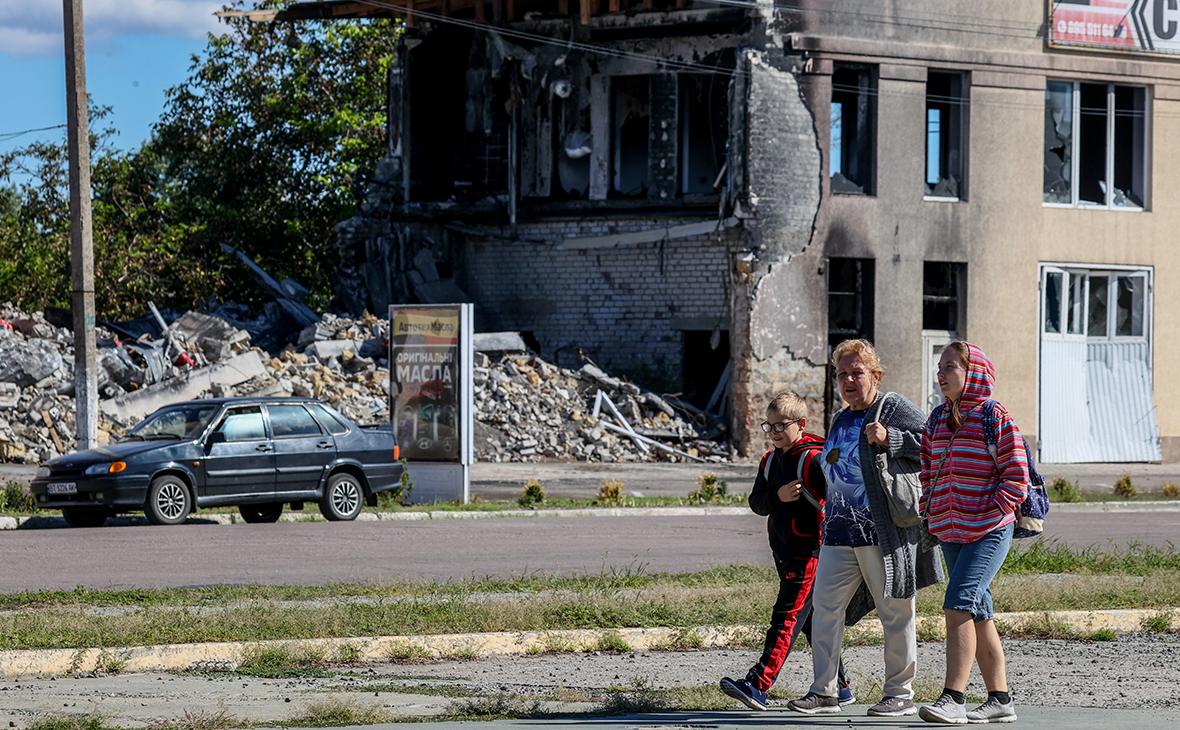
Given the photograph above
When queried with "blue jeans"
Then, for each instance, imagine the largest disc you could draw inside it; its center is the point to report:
(970, 569)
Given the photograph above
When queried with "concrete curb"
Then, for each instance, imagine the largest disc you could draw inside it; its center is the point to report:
(381, 649)
(13, 523)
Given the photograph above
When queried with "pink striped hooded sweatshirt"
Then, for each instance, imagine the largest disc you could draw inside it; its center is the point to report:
(972, 494)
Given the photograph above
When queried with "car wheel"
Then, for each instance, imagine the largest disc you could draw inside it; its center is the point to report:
(343, 498)
(168, 501)
(84, 517)
(259, 513)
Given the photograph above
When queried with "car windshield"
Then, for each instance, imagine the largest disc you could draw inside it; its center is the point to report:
(175, 422)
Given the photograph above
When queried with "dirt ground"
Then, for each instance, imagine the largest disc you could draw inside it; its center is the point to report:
(1137, 671)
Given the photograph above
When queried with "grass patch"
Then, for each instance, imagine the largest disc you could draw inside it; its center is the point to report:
(73, 722)
(1158, 623)
(340, 712)
(218, 719)
(683, 640)
(638, 697)
(502, 706)
(612, 598)
(1103, 635)
(276, 661)
(409, 654)
(610, 642)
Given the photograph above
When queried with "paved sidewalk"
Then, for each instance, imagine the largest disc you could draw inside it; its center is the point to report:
(1045, 718)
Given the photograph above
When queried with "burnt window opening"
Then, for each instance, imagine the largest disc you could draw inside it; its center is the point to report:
(850, 299)
(458, 142)
(703, 364)
(704, 131)
(946, 116)
(852, 149)
(630, 130)
(944, 296)
(1095, 145)
(571, 151)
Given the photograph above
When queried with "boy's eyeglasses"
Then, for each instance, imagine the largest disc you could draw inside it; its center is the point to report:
(778, 427)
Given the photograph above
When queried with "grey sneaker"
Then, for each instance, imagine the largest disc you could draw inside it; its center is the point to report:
(945, 710)
(813, 704)
(992, 711)
(893, 707)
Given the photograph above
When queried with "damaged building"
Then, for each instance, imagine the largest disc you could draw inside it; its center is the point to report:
(716, 192)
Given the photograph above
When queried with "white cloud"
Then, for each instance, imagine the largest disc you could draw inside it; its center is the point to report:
(34, 27)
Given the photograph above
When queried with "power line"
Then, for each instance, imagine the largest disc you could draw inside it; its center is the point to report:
(5, 136)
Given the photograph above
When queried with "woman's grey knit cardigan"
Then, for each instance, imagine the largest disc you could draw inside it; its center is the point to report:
(907, 566)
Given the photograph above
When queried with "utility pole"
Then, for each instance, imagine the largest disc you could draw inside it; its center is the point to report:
(81, 242)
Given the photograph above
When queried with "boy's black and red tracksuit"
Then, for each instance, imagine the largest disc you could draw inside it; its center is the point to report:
(795, 529)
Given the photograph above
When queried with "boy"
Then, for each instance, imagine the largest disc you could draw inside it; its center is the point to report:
(789, 491)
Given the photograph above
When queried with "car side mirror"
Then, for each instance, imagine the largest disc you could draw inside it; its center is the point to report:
(217, 437)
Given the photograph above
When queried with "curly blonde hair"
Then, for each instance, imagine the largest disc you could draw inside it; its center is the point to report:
(862, 349)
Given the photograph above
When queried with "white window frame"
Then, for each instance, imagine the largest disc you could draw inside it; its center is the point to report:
(1086, 272)
(1076, 101)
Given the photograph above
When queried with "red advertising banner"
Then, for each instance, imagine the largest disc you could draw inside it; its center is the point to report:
(1150, 27)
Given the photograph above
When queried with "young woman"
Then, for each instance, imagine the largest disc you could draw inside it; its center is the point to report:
(971, 498)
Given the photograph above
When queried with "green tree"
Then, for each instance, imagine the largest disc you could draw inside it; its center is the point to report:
(266, 146)
(269, 143)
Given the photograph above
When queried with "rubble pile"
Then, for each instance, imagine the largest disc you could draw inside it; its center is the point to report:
(526, 409)
(531, 409)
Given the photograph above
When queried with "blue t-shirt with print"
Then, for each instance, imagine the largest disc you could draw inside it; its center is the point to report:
(847, 518)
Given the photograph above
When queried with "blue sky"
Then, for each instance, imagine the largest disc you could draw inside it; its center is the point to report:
(135, 49)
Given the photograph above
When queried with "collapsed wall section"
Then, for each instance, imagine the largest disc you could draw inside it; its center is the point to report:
(779, 289)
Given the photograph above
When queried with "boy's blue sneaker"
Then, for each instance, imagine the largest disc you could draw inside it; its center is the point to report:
(845, 695)
(744, 692)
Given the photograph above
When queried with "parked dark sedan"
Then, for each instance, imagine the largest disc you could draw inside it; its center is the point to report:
(254, 453)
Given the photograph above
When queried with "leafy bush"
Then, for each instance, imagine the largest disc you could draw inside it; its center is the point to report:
(532, 494)
(711, 489)
(610, 493)
(1063, 490)
(1170, 490)
(1123, 486)
(14, 499)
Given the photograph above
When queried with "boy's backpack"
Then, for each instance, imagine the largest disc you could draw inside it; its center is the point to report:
(808, 450)
(1035, 506)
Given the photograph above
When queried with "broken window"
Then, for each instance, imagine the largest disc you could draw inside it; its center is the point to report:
(630, 127)
(704, 131)
(1095, 145)
(944, 296)
(946, 114)
(572, 151)
(850, 299)
(853, 121)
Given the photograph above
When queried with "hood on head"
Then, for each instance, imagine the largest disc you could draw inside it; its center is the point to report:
(981, 377)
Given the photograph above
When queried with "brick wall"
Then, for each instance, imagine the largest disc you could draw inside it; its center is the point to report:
(617, 304)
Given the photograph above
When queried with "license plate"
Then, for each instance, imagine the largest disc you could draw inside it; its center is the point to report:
(62, 488)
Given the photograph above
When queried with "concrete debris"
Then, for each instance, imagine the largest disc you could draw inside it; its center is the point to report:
(526, 409)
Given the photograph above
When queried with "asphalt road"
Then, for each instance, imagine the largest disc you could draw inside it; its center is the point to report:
(310, 553)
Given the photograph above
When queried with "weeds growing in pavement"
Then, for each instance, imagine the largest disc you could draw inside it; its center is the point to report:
(610, 493)
(1158, 623)
(73, 722)
(532, 494)
(683, 640)
(1063, 490)
(1123, 486)
(406, 653)
(709, 489)
(611, 642)
(218, 719)
(503, 706)
(1170, 490)
(336, 712)
(638, 697)
(281, 660)
(1103, 635)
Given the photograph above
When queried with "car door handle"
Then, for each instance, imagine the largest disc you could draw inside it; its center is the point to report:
(325, 445)
(264, 447)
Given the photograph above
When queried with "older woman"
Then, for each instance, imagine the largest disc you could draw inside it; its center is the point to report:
(864, 554)
(970, 496)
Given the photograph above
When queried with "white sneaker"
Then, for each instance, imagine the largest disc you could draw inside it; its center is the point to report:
(993, 711)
